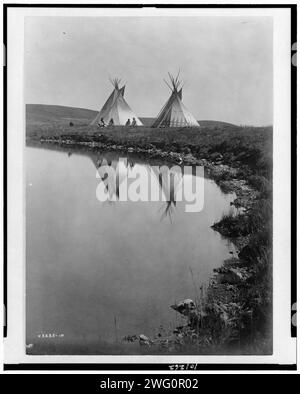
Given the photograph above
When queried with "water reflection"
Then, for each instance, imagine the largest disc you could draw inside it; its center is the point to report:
(89, 263)
(167, 181)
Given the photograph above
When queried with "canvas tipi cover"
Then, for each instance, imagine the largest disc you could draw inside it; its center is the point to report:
(116, 108)
(174, 113)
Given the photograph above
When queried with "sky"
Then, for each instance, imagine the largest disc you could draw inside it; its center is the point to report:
(226, 63)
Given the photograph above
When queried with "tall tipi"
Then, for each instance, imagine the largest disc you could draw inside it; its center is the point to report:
(174, 113)
(116, 108)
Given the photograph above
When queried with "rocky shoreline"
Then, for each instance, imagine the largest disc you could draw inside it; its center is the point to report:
(225, 176)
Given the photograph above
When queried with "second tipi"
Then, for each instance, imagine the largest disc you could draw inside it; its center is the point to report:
(174, 113)
(116, 111)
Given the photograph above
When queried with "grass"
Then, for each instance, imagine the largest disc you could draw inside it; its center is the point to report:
(250, 223)
(239, 146)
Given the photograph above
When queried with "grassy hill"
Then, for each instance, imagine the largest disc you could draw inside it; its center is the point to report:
(215, 123)
(40, 114)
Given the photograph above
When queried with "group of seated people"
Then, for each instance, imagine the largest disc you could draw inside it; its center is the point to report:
(133, 123)
(111, 122)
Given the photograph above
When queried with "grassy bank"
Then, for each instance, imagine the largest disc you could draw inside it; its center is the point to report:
(250, 146)
(235, 313)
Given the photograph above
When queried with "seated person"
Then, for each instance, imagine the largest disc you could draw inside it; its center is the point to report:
(111, 122)
(101, 123)
(133, 122)
(127, 123)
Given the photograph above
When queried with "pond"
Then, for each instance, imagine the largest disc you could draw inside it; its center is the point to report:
(97, 271)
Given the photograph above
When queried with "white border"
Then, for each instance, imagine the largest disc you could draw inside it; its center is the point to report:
(14, 346)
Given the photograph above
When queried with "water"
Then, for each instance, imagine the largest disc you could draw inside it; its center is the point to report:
(98, 271)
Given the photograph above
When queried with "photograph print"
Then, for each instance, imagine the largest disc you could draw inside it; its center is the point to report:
(149, 185)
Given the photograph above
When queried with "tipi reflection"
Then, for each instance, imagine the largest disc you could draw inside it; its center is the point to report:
(168, 181)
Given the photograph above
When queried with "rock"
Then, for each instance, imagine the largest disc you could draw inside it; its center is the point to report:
(174, 155)
(143, 337)
(189, 158)
(144, 341)
(201, 162)
(232, 275)
(185, 307)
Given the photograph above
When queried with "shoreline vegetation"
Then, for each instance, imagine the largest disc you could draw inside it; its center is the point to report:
(234, 314)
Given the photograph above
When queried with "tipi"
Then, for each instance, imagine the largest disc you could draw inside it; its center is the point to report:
(116, 108)
(174, 113)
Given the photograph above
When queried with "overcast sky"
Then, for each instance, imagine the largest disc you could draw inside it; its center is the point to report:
(225, 62)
